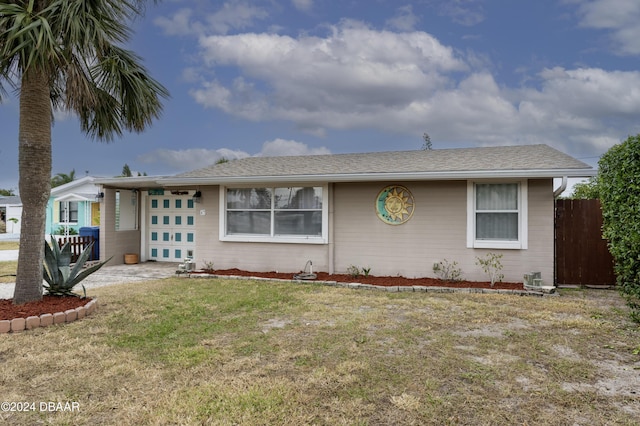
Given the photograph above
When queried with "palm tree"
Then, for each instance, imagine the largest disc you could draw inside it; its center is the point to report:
(67, 54)
(62, 178)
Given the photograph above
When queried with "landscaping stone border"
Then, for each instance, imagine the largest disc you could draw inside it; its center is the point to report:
(17, 325)
(392, 289)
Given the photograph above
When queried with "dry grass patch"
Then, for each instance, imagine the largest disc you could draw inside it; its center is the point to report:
(8, 268)
(182, 351)
(8, 271)
(9, 245)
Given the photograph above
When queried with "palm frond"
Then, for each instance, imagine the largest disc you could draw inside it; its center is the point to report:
(75, 43)
(28, 36)
(126, 97)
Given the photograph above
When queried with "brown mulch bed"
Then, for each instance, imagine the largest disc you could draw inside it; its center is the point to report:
(48, 305)
(374, 280)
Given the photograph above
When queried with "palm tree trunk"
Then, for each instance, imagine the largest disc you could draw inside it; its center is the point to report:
(35, 182)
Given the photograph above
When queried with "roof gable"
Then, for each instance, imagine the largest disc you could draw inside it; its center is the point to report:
(84, 185)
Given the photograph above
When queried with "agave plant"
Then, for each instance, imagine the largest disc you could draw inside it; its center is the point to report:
(60, 276)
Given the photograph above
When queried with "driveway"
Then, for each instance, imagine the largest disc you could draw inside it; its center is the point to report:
(110, 275)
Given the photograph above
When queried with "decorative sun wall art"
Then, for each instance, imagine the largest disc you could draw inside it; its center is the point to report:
(395, 205)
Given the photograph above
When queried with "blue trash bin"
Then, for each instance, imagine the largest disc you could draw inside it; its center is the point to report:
(92, 231)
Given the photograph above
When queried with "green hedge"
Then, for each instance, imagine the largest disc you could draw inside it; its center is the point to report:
(619, 188)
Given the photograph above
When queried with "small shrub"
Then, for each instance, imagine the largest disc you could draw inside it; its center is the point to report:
(60, 276)
(447, 271)
(366, 271)
(207, 266)
(491, 265)
(353, 271)
(61, 231)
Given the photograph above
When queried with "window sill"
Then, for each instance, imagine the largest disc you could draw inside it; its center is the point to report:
(506, 245)
(287, 240)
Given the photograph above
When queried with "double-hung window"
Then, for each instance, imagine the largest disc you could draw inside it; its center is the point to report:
(497, 215)
(68, 212)
(274, 214)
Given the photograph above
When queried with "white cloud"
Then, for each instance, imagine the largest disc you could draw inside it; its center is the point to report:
(179, 24)
(356, 77)
(235, 15)
(282, 147)
(591, 92)
(463, 12)
(232, 15)
(341, 80)
(618, 16)
(303, 5)
(404, 20)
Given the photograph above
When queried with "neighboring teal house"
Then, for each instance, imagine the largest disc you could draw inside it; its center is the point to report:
(72, 206)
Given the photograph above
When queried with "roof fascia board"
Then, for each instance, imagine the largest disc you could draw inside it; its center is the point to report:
(130, 182)
(373, 177)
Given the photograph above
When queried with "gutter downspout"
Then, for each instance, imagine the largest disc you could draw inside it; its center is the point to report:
(562, 187)
(331, 253)
(556, 194)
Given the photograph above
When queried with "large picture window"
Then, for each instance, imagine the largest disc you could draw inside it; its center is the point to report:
(280, 214)
(497, 215)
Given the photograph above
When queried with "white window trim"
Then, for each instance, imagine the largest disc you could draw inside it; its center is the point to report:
(68, 209)
(523, 218)
(292, 239)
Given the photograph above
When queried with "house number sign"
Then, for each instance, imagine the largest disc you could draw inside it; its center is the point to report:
(394, 205)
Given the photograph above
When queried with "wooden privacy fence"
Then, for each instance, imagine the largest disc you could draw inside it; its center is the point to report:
(582, 255)
(78, 244)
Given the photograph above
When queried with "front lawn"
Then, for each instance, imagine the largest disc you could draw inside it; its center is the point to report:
(223, 352)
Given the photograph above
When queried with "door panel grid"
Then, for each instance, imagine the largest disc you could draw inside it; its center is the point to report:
(171, 232)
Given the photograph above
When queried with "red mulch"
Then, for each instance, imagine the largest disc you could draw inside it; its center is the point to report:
(381, 281)
(48, 305)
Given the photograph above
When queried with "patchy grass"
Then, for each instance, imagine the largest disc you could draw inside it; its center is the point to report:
(9, 245)
(222, 352)
(8, 271)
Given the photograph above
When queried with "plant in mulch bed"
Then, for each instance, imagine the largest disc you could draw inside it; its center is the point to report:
(353, 271)
(491, 265)
(208, 267)
(447, 271)
(60, 276)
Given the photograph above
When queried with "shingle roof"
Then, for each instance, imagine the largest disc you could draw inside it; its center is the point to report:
(10, 200)
(542, 159)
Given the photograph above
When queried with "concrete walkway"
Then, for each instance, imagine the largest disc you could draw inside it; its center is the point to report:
(110, 275)
(6, 255)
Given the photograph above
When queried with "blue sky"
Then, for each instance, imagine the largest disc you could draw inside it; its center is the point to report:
(282, 77)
